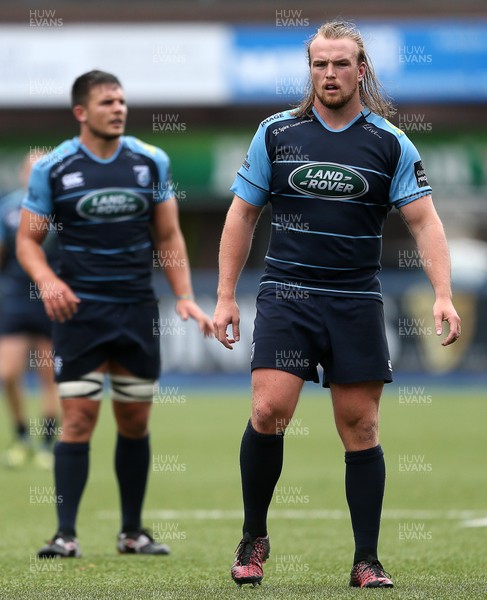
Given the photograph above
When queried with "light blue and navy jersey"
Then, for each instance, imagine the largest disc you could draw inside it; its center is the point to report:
(16, 284)
(102, 210)
(330, 192)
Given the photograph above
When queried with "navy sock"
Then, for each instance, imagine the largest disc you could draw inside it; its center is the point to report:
(49, 430)
(365, 477)
(71, 462)
(21, 430)
(261, 457)
(132, 466)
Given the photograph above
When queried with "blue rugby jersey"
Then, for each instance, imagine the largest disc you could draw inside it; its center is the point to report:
(17, 287)
(102, 209)
(330, 193)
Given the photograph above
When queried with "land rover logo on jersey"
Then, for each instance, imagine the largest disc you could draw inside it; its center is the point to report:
(328, 180)
(111, 204)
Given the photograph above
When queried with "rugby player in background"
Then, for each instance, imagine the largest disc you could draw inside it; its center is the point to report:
(25, 331)
(331, 170)
(114, 198)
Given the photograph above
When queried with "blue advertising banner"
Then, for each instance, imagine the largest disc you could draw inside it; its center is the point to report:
(162, 63)
(418, 61)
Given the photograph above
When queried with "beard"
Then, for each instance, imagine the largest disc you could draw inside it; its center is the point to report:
(107, 137)
(335, 102)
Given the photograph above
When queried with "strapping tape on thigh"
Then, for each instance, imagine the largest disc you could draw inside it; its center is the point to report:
(128, 388)
(87, 386)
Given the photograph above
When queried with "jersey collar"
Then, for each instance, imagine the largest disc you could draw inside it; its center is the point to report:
(363, 113)
(97, 159)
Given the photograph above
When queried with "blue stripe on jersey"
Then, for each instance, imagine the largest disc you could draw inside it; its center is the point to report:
(89, 191)
(108, 251)
(103, 298)
(358, 237)
(253, 184)
(317, 289)
(291, 262)
(104, 277)
(368, 170)
(96, 222)
(329, 199)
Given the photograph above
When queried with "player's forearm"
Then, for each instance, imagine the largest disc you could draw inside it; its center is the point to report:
(435, 257)
(235, 246)
(33, 260)
(173, 258)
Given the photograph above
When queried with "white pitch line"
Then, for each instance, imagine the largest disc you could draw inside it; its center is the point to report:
(317, 515)
(475, 523)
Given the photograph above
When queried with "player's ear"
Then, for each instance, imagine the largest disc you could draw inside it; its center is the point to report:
(79, 112)
(361, 71)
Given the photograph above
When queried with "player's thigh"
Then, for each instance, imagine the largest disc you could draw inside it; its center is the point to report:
(131, 416)
(14, 350)
(355, 401)
(275, 394)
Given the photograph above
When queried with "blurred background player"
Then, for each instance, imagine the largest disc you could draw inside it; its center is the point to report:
(113, 199)
(25, 332)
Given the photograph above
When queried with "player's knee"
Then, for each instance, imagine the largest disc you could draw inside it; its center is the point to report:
(133, 423)
(361, 429)
(78, 425)
(133, 430)
(132, 401)
(267, 418)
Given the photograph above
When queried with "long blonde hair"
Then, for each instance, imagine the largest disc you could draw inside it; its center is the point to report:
(372, 94)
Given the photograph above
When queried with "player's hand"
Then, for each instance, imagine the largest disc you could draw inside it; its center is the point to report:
(188, 309)
(227, 313)
(443, 310)
(60, 302)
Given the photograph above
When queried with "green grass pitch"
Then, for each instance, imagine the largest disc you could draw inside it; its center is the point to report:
(433, 537)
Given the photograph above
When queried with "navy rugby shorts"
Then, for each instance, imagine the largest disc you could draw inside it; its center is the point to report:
(100, 331)
(19, 316)
(346, 336)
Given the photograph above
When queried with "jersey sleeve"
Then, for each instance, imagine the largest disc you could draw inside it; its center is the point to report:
(253, 180)
(409, 182)
(2, 221)
(39, 195)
